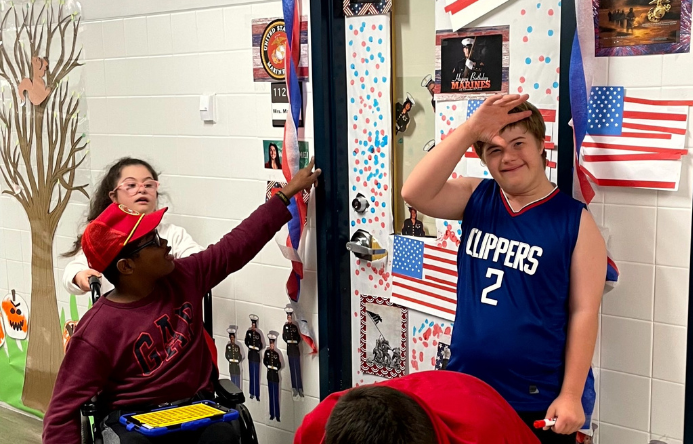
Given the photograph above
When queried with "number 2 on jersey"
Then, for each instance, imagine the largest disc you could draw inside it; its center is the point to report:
(499, 281)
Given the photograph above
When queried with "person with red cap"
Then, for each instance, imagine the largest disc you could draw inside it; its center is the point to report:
(142, 344)
(432, 407)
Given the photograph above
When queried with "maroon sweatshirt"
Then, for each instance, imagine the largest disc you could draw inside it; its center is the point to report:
(152, 351)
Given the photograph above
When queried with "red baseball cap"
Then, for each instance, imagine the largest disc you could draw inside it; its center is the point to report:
(107, 235)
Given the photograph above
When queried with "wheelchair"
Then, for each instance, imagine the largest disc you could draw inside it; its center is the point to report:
(226, 393)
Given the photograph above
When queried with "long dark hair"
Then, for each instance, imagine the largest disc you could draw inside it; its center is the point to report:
(276, 159)
(101, 199)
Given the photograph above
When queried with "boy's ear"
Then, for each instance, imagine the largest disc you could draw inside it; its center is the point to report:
(126, 266)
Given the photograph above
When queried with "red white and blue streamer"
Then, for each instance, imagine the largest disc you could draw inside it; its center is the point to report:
(579, 88)
(291, 157)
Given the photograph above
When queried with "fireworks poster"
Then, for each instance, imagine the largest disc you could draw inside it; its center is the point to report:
(639, 27)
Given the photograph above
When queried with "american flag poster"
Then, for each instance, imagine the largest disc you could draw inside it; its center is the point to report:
(424, 276)
(633, 142)
(463, 12)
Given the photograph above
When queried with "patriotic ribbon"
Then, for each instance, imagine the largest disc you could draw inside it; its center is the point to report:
(291, 156)
(580, 85)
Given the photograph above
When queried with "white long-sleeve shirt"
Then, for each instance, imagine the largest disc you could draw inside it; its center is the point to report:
(181, 243)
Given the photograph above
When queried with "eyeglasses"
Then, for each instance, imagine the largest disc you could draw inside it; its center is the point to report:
(156, 240)
(132, 187)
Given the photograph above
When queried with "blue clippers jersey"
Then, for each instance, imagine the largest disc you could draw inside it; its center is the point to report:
(512, 294)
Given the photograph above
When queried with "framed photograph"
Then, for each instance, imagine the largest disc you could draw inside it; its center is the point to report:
(383, 340)
(640, 27)
(472, 63)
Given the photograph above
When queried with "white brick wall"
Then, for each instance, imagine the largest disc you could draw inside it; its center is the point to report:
(143, 77)
(642, 344)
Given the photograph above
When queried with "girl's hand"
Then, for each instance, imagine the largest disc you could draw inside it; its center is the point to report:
(303, 180)
(81, 279)
(492, 116)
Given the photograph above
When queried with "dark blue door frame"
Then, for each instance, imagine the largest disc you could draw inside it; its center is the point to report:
(332, 205)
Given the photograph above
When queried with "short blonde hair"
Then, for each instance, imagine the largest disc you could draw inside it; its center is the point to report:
(534, 125)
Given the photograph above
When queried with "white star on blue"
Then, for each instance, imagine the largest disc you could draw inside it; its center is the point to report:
(408, 257)
(605, 110)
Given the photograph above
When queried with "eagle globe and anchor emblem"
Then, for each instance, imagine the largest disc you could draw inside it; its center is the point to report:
(656, 13)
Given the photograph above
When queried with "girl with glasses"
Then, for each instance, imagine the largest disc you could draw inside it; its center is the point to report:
(133, 183)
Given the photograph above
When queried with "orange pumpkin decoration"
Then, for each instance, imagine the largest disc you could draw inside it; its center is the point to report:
(15, 316)
(68, 331)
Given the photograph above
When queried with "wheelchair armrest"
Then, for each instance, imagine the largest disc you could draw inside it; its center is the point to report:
(228, 393)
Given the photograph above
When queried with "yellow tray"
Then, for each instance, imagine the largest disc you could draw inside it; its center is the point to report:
(177, 415)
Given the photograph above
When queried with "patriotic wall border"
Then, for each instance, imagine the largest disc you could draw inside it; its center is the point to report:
(354, 9)
(376, 369)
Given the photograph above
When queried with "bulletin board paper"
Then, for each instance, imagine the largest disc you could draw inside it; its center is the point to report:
(368, 105)
(427, 335)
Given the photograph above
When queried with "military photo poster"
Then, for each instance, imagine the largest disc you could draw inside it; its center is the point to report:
(472, 63)
(383, 338)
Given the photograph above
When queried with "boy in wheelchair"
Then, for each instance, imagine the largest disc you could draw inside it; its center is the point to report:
(143, 344)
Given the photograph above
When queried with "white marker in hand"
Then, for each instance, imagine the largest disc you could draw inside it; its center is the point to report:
(540, 424)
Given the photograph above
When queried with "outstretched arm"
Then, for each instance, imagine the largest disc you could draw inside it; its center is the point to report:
(242, 244)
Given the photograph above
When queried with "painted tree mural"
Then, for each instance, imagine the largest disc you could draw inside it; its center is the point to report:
(41, 148)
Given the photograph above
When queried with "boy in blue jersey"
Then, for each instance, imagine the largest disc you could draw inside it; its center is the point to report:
(531, 265)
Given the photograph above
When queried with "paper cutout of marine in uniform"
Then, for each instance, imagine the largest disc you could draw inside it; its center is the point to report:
(234, 356)
(413, 226)
(253, 340)
(273, 363)
(292, 337)
(402, 118)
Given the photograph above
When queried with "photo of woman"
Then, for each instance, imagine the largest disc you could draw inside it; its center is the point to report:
(273, 153)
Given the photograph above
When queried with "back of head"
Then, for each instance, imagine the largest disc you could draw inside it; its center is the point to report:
(376, 414)
(534, 125)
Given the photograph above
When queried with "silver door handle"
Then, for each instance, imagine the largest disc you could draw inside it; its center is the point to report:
(355, 247)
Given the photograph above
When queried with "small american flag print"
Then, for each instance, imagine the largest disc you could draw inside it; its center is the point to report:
(424, 277)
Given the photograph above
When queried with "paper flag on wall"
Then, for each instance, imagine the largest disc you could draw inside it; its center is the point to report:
(463, 12)
(634, 142)
(424, 277)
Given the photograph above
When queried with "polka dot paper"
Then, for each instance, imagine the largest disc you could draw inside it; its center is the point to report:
(427, 336)
(370, 140)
